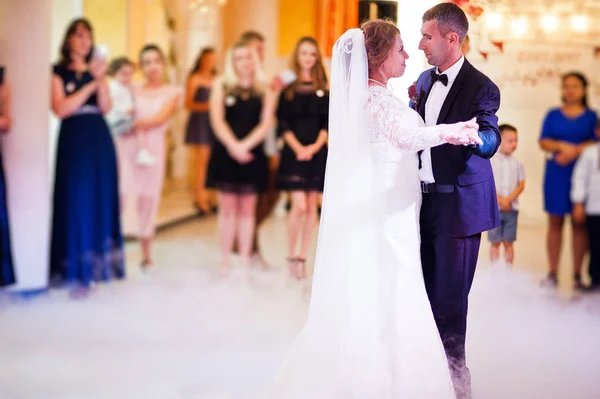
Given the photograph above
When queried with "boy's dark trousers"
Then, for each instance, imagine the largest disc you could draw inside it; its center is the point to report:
(593, 226)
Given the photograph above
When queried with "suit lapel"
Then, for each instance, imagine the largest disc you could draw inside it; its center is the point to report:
(454, 90)
(424, 93)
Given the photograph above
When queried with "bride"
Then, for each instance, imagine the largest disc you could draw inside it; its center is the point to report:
(370, 332)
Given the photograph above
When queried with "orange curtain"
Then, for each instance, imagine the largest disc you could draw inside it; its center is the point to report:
(334, 17)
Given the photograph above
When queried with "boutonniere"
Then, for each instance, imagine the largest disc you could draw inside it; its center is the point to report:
(414, 96)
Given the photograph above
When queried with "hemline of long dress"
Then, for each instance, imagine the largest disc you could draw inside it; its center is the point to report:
(86, 229)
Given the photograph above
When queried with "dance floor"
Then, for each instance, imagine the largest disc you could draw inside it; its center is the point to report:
(181, 333)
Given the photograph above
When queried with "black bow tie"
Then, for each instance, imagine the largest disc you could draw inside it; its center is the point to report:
(442, 78)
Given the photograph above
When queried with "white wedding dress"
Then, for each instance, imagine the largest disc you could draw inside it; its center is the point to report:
(370, 332)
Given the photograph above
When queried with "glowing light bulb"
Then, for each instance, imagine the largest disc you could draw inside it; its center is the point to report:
(494, 20)
(549, 22)
(519, 26)
(579, 23)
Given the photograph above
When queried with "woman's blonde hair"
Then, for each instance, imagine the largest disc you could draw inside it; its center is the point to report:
(230, 77)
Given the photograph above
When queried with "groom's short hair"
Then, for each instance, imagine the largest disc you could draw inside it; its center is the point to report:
(449, 18)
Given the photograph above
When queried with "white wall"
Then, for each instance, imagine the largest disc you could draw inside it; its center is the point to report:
(410, 13)
(25, 148)
(528, 75)
(63, 12)
(260, 15)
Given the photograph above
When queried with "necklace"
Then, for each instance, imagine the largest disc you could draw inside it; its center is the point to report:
(378, 82)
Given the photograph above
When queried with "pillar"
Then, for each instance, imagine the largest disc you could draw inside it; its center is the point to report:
(26, 147)
(259, 15)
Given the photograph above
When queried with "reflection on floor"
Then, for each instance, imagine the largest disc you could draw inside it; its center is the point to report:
(181, 333)
(176, 203)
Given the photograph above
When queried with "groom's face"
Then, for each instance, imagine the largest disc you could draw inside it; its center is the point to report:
(434, 45)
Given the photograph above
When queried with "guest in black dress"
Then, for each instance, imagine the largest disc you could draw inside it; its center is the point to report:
(198, 134)
(241, 112)
(7, 274)
(302, 122)
(86, 243)
(269, 198)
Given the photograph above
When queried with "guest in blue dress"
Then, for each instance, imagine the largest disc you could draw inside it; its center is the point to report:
(7, 274)
(86, 235)
(566, 132)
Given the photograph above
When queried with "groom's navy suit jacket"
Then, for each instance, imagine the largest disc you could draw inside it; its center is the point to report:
(472, 207)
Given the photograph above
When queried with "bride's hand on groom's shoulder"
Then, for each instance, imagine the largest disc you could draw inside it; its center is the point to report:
(462, 133)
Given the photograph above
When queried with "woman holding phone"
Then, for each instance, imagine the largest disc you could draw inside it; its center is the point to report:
(86, 243)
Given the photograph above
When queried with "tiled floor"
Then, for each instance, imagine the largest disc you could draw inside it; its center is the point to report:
(180, 333)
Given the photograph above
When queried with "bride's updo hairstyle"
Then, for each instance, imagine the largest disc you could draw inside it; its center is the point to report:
(380, 36)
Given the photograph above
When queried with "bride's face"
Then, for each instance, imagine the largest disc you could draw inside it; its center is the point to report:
(395, 64)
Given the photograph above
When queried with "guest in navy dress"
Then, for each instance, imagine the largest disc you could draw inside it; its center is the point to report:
(302, 118)
(86, 241)
(565, 134)
(198, 134)
(241, 114)
(7, 274)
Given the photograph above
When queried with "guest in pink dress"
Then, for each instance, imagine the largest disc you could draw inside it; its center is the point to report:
(155, 104)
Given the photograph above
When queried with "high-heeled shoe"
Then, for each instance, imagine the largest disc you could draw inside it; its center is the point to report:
(146, 265)
(291, 261)
(301, 268)
(80, 292)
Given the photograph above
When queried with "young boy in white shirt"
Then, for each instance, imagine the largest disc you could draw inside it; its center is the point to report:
(510, 183)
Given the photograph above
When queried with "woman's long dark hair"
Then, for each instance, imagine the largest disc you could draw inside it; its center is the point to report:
(318, 74)
(203, 53)
(65, 51)
(581, 77)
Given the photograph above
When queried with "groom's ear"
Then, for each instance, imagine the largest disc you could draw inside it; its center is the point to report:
(453, 38)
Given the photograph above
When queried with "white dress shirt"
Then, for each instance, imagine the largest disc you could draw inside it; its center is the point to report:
(508, 173)
(433, 106)
(585, 186)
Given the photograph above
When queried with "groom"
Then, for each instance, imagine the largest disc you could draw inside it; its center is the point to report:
(459, 195)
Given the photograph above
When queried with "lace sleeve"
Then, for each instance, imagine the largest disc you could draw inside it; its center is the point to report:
(400, 125)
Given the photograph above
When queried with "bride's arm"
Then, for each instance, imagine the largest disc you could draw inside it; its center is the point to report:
(398, 126)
